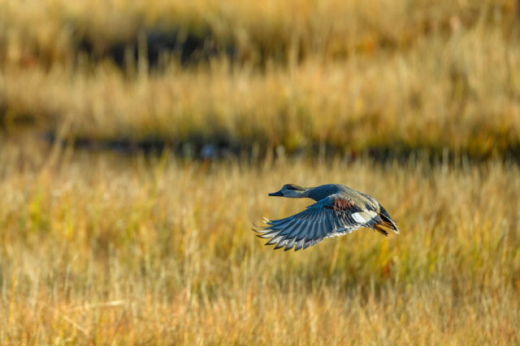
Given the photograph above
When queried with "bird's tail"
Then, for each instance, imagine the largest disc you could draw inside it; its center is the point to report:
(385, 223)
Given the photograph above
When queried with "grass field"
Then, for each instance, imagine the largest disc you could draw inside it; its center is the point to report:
(415, 103)
(445, 78)
(103, 249)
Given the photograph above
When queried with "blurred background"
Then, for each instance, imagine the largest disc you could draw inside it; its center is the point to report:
(139, 140)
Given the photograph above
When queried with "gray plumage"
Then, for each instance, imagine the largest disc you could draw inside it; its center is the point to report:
(338, 210)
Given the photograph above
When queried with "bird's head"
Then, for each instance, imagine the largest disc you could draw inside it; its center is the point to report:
(291, 191)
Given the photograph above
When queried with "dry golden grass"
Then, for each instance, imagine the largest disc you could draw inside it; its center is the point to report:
(99, 248)
(455, 86)
(451, 99)
(103, 249)
(52, 28)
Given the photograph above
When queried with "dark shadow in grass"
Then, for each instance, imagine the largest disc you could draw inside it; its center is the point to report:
(194, 147)
(18, 120)
(157, 46)
(221, 146)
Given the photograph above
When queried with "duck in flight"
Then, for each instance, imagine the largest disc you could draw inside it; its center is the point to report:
(338, 210)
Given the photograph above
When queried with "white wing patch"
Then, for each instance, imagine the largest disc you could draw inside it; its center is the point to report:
(364, 217)
(359, 218)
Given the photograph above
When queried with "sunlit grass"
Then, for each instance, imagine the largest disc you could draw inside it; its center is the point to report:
(99, 248)
(52, 29)
(453, 88)
(448, 100)
(106, 249)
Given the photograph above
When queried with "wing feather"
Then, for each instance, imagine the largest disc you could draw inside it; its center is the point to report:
(329, 217)
(308, 228)
(299, 244)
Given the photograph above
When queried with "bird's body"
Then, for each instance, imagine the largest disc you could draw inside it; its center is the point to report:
(338, 210)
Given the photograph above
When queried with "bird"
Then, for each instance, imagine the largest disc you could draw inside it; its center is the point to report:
(338, 210)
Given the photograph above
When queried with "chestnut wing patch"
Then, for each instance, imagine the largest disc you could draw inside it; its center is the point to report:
(350, 214)
(343, 205)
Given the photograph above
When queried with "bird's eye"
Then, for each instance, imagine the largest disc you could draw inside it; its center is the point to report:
(289, 187)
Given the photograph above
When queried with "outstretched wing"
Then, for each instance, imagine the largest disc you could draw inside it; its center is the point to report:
(329, 217)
